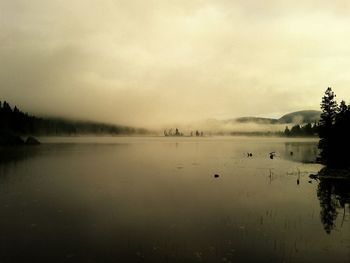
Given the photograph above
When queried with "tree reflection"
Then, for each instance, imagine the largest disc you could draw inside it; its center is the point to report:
(16, 154)
(334, 197)
(305, 152)
(11, 156)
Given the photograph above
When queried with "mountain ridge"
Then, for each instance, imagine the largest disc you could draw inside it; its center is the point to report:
(296, 117)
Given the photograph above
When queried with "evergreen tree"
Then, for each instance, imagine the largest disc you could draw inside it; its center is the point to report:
(296, 130)
(329, 109)
(334, 132)
(307, 129)
(315, 128)
(286, 131)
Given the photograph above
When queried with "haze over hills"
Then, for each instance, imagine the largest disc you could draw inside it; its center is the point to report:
(298, 117)
(256, 124)
(18, 122)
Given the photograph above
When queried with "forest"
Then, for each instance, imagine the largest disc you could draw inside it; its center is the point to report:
(15, 121)
(307, 130)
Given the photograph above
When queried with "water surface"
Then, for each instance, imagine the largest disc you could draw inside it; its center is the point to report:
(115, 199)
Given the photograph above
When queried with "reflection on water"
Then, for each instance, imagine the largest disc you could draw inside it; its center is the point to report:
(16, 154)
(334, 196)
(11, 156)
(157, 200)
(304, 152)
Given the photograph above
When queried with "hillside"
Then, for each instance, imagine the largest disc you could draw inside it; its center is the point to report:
(305, 116)
(298, 117)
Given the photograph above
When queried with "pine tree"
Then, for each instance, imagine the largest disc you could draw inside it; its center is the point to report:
(334, 130)
(287, 131)
(329, 109)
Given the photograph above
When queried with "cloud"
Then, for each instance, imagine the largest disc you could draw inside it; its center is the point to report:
(158, 62)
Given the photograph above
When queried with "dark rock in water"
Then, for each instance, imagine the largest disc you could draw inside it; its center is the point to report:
(32, 141)
(10, 139)
(313, 176)
(216, 175)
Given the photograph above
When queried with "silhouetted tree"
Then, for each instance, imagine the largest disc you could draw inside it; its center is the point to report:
(334, 131)
(307, 129)
(301, 130)
(315, 128)
(296, 130)
(286, 131)
(327, 142)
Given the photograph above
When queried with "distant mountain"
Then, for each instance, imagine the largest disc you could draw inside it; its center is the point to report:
(298, 117)
(304, 116)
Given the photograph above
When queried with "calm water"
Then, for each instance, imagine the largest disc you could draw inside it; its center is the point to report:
(156, 200)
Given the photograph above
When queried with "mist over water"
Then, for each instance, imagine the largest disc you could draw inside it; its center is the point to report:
(109, 199)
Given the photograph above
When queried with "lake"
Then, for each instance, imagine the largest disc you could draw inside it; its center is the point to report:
(155, 199)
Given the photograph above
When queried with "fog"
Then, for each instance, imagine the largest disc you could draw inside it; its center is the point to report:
(161, 63)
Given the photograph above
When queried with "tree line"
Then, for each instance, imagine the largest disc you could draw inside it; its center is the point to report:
(334, 132)
(15, 121)
(307, 130)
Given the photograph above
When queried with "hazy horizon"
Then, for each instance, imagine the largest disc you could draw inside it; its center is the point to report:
(154, 63)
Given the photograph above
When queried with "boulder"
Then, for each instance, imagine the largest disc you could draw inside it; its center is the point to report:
(32, 141)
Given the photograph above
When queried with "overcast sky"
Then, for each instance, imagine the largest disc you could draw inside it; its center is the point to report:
(146, 62)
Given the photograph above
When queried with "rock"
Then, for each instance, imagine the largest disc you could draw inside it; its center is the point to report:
(10, 139)
(216, 176)
(32, 141)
